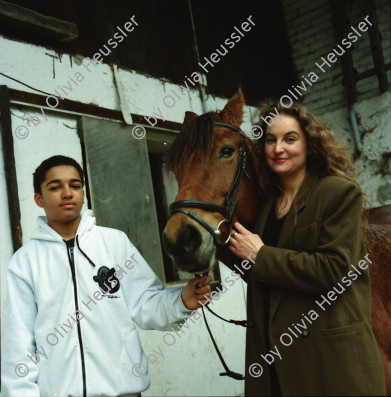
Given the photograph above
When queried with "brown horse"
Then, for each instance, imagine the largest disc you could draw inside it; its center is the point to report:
(204, 160)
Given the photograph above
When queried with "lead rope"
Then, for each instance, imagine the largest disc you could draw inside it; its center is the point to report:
(228, 372)
(243, 323)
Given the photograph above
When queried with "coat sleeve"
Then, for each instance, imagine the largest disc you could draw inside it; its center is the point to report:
(339, 245)
(151, 306)
(19, 373)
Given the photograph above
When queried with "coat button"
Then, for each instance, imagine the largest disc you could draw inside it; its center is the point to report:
(305, 332)
(250, 324)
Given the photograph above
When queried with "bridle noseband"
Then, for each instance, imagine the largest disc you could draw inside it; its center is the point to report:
(228, 213)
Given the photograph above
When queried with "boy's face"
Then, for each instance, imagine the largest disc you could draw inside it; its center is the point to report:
(62, 194)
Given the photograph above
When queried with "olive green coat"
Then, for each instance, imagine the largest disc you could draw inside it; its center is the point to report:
(335, 354)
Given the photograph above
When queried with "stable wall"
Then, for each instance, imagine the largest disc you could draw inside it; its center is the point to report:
(312, 35)
(191, 366)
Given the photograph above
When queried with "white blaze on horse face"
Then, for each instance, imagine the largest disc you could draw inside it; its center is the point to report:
(286, 147)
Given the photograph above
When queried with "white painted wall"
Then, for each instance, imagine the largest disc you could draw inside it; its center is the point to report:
(191, 367)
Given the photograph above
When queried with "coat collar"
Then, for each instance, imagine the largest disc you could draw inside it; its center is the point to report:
(304, 192)
(299, 202)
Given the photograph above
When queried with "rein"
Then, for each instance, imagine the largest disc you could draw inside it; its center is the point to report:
(228, 372)
(216, 233)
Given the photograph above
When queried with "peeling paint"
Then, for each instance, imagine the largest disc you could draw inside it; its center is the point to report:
(373, 164)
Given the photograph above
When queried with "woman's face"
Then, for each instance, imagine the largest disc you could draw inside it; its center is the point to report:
(285, 146)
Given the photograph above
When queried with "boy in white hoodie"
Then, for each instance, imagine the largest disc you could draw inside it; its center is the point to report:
(74, 293)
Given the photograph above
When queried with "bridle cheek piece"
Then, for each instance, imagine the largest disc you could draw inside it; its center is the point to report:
(228, 213)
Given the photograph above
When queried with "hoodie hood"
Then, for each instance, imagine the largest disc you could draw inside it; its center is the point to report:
(46, 233)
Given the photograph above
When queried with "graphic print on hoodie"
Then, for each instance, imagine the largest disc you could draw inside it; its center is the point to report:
(107, 281)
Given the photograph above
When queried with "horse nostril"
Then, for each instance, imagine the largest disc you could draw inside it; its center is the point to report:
(190, 238)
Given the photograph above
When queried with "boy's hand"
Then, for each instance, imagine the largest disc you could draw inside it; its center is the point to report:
(196, 290)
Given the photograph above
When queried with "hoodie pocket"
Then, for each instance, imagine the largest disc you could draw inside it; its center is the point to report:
(133, 363)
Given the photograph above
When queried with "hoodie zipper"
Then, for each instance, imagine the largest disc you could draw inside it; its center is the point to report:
(83, 368)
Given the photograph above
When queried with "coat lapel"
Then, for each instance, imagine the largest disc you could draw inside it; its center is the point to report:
(285, 239)
(261, 221)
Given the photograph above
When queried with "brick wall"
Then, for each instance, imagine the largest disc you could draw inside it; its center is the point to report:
(312, 35)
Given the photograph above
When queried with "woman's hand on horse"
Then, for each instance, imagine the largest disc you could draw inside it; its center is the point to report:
(243, 242)
(197, 290)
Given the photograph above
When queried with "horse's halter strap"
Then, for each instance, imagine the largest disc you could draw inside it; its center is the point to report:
(227, 213)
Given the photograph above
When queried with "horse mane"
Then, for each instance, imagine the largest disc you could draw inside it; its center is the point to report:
(195, 140)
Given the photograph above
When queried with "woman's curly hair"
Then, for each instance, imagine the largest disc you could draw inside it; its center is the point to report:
(325, 155)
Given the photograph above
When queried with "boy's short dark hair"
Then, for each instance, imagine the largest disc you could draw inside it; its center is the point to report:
(40, 173)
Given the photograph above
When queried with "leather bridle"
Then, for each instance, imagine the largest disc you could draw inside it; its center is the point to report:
(228, 213)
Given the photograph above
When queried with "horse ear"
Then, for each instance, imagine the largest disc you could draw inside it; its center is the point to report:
(234, 108)
(189, 116)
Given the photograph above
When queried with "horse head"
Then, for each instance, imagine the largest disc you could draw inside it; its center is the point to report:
(217, 186)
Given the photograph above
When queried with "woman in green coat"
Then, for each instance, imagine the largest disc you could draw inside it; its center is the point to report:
(309, 299)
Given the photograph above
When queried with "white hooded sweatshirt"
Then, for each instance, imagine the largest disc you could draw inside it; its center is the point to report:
(72, 333)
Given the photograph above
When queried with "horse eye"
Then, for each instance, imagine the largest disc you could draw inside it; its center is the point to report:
(226, 151)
